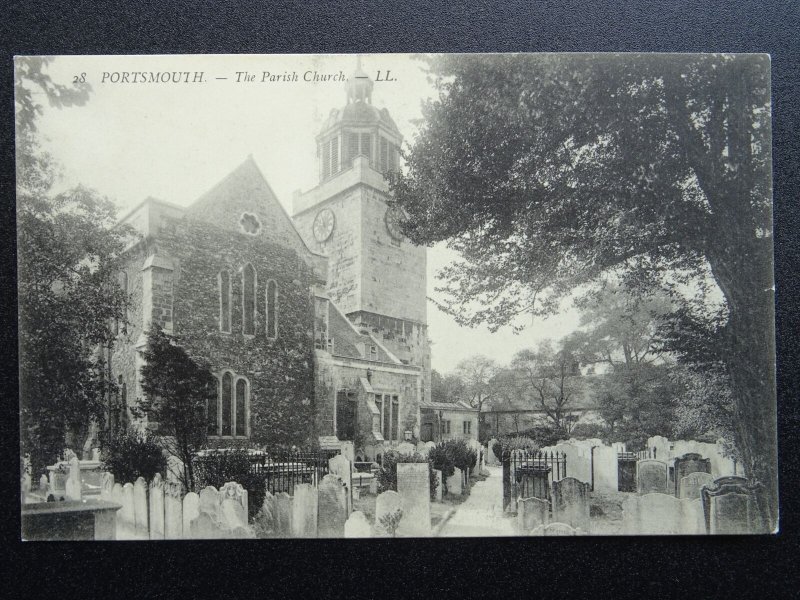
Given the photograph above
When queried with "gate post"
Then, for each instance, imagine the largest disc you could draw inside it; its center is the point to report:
(506, 462)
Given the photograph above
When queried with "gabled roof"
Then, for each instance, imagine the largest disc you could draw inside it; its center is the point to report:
(246, 190)
(345, 337)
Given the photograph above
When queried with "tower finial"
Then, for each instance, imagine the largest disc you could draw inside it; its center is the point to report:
(359, 85)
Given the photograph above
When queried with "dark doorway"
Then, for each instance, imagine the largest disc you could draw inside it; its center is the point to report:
(346, 413)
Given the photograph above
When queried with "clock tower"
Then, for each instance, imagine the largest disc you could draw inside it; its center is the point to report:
(376, 277)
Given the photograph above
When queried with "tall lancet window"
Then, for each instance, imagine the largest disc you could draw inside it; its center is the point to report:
(227, 396)
(272, 309)
(224, 302)
(241, 395)
(248, 300)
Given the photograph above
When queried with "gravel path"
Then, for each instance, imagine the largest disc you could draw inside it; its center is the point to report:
(481, 514)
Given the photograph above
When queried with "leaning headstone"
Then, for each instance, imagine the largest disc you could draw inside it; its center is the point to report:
(571, 502)
(140, 507)
(439, 485)
(343, 468)
(283, 505)
(209, 500)
(73, 485)
(651, 477)
(691, 485)
(173, 511)
(191, 510)
(233, 506)
(106, 485)
(406, 448)
(332, 508)
(731, 507)
(304, 511)
(387, 504)
(157, 508)
(531, 513)
(455, 483)
(413, 485)
(357, 526)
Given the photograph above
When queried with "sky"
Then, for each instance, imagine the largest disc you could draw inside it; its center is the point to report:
(174, 141)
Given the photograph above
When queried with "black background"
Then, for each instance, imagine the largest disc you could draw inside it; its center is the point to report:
(644, 567)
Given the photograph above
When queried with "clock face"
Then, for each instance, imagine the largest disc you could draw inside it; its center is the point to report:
(394, 215)
(323, 224)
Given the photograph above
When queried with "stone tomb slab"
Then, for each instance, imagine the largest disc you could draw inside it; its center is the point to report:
(652, 477)
(413, 485)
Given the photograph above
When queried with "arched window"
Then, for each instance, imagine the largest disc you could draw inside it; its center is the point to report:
(241, 401)
(224, 302)
(213, 413)
(227, 396)
(248, 299)
(272, 309)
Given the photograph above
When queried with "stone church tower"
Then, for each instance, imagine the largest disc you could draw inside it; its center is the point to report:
(376, 277)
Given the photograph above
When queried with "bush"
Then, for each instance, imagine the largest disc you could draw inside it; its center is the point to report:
(514, 442)
(452, 454)
(231, 464)
(387, 476)
(587, 431)
(134, 455)
(545, 435)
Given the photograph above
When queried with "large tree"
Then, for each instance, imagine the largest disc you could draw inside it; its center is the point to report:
(178, 391)
(547, 171)
(68, 260)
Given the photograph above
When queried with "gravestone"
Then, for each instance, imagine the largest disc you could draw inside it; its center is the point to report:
(413, 485)
(430, 445)
(140, 507)
(605, 469)
(491, 457)
(571, 502)
(173, 511)
(406, 448)
(283, 506)
(268, 515)
(304, 511)
(206, 527)
(531, 513)
(96, 454)
(439, 485)
(652, 514)
(209, 501)
(455, 483)
(730, 506)
(343, 468)
(387, 504)
(691, 485)
(651, 477)
(157, 508)
(125, 515)
(73, 484)
(106, 486)
(233, 506)
(422, 449)
(191, 510)
(43, 484)
(688, 464)
(357, 526)
(332, 507)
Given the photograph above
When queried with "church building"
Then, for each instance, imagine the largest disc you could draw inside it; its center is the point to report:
(314, 324)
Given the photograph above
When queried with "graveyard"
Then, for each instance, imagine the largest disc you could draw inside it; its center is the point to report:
(577, 487)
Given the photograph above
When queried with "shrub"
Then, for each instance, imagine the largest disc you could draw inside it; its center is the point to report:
(586, 431)
(132, 455)
(545, 435)
(514, 442)
(218, 467)
(442, 460)
(452, 454)
(387, 476)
